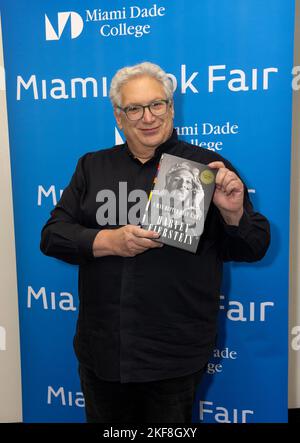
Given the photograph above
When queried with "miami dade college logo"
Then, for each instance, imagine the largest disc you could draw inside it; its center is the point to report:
(76, 23)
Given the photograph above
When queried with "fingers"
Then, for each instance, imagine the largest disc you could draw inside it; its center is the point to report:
(143, 233)
(233, 186)
(216, 165)
(138, 240)
(147, 243)
(145, 239)
(138, 245)
(226, 180)
(134, 251)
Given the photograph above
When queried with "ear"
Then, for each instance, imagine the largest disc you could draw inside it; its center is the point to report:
(118, 118)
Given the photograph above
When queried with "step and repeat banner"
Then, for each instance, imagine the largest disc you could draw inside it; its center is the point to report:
(231, 65)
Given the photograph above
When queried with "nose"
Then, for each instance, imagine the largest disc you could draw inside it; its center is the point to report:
(148, 117)
(180, 184)
(183, 183)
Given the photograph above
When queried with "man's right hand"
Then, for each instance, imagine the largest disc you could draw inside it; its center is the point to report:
(127, 241)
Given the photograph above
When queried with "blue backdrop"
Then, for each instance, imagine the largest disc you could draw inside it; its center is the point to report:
(231, 64)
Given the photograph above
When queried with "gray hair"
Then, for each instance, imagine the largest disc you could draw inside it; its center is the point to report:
(128, 72)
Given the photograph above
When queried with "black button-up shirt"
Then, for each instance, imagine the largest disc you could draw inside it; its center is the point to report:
(152, 316)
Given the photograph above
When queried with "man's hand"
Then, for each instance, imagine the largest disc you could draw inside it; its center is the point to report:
(127, 241)
(229, 194)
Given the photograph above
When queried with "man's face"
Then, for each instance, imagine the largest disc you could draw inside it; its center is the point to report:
(180, 185)
(150, 131)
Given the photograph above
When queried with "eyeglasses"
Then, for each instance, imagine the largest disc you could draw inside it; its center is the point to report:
(136, 112)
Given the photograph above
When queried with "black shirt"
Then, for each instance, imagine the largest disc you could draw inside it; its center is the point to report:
(152, 316)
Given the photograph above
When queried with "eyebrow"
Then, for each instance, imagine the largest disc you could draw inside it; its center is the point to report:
(141, 104)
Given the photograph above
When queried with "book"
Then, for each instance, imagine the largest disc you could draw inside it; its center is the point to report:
(179, 201)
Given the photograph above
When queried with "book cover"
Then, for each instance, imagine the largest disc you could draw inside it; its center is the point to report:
(179, 201)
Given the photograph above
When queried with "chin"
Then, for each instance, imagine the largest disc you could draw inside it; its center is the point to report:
(152, 141)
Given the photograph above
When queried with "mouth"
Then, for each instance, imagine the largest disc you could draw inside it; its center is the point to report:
(150, 131)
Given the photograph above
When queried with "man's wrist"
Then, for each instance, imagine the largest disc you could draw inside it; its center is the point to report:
(103, 245)
(232, 218)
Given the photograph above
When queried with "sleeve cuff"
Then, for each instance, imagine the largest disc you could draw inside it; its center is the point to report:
(242, 229)
(85, 242)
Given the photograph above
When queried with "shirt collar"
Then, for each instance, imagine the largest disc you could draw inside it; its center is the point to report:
(164, 147)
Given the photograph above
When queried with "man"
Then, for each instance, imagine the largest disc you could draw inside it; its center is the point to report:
(148, 313)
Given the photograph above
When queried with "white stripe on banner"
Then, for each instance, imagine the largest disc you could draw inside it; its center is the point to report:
(10, 373)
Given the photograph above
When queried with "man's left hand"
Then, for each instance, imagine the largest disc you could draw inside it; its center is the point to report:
(229, 193)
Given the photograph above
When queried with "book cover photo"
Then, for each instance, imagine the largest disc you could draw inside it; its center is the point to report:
(179, 201)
